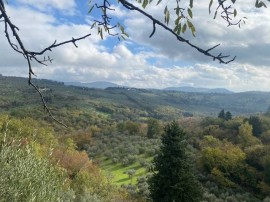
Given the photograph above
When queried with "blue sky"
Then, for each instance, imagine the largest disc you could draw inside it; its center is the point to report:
(158, 62)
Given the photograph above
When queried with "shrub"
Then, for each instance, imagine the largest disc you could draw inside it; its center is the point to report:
(26, 177)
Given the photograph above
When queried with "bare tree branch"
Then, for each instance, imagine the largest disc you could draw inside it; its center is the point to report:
(12, 34)
(106, 20)
(227, 13)
(32, 55)
(219, 57)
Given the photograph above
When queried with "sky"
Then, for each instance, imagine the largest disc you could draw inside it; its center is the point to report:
(140, 61)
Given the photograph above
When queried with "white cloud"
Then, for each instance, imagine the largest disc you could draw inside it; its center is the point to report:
(255, 33)
(117, 11)
(126, 63)
(67, 6)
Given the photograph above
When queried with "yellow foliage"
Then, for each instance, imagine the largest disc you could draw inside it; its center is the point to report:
(245, 136)
(25, 129)
(93, 182)
(227, 157)
(70, 144)
(210, 141)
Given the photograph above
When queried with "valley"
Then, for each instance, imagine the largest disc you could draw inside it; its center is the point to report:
(114, 135)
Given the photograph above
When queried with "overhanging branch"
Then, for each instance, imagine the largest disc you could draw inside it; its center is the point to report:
(219, 57)
(30, 56)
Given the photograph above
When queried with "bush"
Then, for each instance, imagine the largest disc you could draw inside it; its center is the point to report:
(86, 197)
(143, 188)
(26, 177)
(144, 163)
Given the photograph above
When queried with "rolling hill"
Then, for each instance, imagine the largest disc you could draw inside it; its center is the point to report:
(80, 106)
(198, 90)
(98, 84)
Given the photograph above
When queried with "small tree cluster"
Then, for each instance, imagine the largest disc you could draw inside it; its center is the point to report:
(226, 116)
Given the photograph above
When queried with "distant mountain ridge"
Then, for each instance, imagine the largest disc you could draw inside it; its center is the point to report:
(105, 84)
(198, 90)
(97, 84)
(123, 102)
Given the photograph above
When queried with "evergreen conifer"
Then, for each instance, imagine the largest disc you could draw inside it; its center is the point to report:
(174, 179)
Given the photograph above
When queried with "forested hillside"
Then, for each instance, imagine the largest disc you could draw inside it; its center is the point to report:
(114, 136)
(84, 104)
(85, 141)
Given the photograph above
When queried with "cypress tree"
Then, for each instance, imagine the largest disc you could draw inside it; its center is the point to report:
(256, 123)
(228, 116)
(221, 114)
(174, 179)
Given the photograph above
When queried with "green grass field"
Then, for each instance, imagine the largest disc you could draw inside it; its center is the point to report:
(118, 171)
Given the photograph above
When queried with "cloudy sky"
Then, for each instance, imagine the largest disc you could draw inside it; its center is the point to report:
(140, 61)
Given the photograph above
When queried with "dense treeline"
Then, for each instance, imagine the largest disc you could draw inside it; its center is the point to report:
(234, 155)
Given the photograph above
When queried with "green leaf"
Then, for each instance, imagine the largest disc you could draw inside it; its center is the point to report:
(168, 17)
(175, 28)
(189, 12)
(126, 34)
(215, 15)
(260, 4)
(90, 10)
(179, 29)
(101, 34)
(165, 10)
(177, 20)
(177, 10)
(159, 2)
(191, 3)
(122, 29)
(210, 4)
(191, 27)
(184, 28)
(145, 3)
(93, 25)
(234, 12)
(263, 4)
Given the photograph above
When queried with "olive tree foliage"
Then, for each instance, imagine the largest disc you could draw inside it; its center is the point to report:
(25, 177)
(177, 20)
